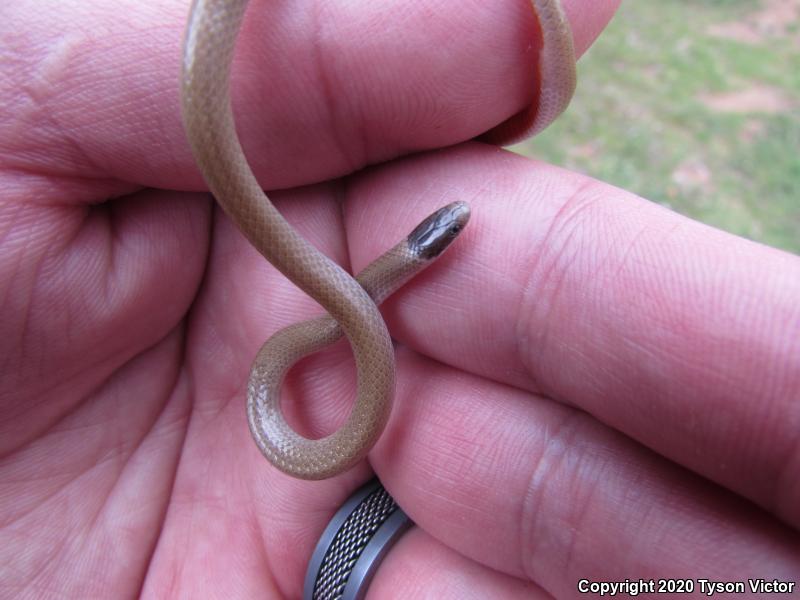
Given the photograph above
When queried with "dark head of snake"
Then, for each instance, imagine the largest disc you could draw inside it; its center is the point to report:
(431, 237)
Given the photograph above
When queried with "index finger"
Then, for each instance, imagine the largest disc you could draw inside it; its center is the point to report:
(681, 336)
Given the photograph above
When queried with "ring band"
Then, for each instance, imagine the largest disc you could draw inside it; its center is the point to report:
(353, 545)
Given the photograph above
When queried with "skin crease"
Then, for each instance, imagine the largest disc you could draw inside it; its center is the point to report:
(126, 468)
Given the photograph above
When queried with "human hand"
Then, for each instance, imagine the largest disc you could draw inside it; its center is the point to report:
(589, 386)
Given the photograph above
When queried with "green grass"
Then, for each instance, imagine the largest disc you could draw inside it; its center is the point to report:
(641, 120)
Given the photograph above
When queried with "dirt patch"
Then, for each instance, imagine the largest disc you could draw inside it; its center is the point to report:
(589, 150)
(751, 130)
(755, 99)
(692, 176)
(777, 18)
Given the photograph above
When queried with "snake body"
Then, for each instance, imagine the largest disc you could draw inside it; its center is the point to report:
(351, 305)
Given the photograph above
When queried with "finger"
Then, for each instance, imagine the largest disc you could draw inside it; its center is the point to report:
(540, 490)
(683, 337)
(419, 566)
(319, 89)
(586, 28)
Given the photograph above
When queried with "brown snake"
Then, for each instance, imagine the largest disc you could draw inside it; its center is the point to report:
(351, 304)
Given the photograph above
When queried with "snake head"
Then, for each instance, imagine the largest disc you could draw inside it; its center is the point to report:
(430, 238)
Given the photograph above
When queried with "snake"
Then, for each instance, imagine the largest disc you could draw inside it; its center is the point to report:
(351, 303)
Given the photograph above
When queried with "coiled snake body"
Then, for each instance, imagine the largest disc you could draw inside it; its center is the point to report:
(351, 305)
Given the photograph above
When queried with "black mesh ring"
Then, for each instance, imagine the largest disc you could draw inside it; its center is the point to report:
(353, 544)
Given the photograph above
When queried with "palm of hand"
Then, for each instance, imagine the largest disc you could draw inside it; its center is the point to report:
(129, 328)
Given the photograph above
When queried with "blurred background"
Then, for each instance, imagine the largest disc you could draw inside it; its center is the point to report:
(694, 104)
